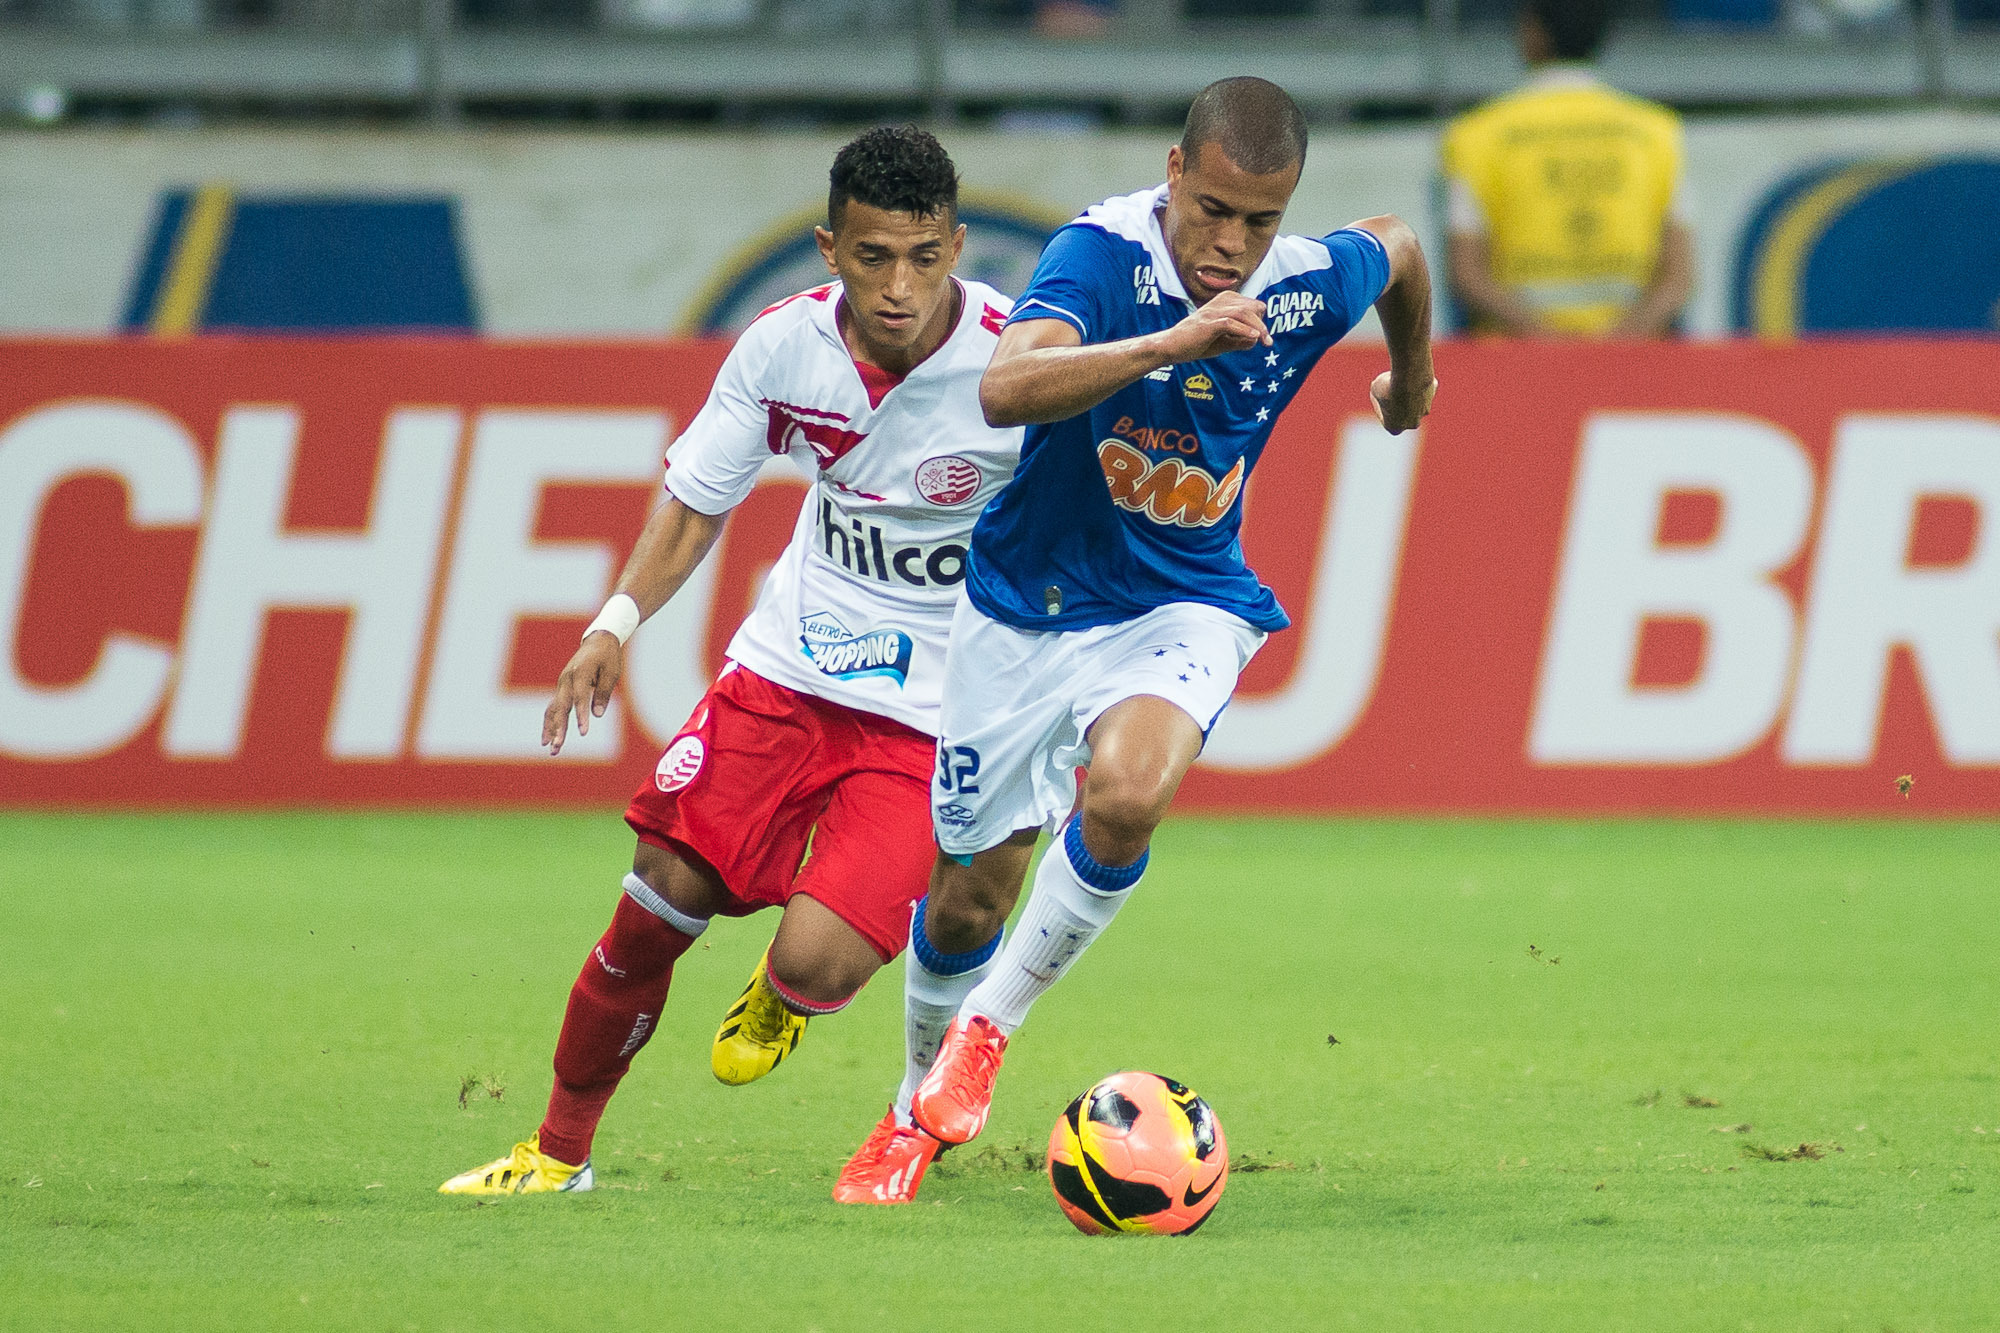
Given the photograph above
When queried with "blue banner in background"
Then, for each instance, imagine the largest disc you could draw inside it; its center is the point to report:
(1875, 245)
(219, 261)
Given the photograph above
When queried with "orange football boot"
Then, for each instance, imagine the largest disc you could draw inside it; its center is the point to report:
(951, 1103)
(888, 1166)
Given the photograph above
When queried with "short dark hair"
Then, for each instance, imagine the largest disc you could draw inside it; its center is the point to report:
(1575, 27)
(896, 167)
(1259, 126)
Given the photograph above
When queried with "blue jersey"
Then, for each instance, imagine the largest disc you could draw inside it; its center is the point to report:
(1135, 503)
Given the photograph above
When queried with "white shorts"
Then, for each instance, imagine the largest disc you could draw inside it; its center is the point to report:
(1018, 704)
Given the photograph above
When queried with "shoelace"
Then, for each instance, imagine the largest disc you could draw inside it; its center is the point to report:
(986, 1054)
(763, 1023)
(522, 1162)
(873, 1150)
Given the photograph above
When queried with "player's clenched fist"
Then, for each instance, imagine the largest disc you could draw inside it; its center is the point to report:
(585, 686)
(1400, 403)
(1229, 322)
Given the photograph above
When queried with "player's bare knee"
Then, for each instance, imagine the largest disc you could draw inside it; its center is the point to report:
(964, 910)
(1119, 816)
(686, 883)
(962, 926)
(654, 865)
(823, 978)
(969, 901)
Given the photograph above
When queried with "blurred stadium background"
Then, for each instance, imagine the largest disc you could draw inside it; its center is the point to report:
(339, 344)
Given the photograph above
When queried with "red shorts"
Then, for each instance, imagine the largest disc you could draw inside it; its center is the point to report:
(759, 771)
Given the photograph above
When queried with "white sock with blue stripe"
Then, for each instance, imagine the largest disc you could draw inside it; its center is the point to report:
(934, 986)
(1072, 901)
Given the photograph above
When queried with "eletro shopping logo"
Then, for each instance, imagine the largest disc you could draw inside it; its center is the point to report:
(838, 652)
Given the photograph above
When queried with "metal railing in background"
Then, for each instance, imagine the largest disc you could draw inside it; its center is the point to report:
(944, 58)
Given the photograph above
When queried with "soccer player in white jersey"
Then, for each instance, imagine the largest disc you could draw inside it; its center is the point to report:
(1108, 610)
(822, 724)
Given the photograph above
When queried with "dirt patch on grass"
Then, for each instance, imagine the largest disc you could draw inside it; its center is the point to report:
(1803, 1152)
(993, 1159)
(471, 1085)
(1252, 1161)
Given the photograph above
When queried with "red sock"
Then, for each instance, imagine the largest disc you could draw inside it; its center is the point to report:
(614, 1008)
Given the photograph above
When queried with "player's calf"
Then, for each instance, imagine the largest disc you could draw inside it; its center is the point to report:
(614, 1009)
(818, 961)
(1074, 899)
(970, 900)
(814, 967)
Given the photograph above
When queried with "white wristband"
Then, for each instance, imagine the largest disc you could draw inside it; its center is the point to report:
(619, 618)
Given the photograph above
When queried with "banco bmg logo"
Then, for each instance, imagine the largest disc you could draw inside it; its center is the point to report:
(836, 651)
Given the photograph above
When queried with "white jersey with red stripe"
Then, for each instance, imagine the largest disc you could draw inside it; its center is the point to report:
(857, 609)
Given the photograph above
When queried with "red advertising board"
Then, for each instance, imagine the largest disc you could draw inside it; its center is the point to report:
(1601, 578)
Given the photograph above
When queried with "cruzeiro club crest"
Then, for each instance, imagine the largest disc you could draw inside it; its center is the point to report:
(844, 655)
(1003, 239)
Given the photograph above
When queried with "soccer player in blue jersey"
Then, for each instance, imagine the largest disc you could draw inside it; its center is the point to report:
(1107, 608)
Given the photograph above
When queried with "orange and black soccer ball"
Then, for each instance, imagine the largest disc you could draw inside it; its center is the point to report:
(1138, 1152)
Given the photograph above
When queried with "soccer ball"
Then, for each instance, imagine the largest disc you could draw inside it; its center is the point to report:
(1138, 1152)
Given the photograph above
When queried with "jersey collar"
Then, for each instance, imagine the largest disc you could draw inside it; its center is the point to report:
(1166, 275)
(1557, 74)
(875, 381)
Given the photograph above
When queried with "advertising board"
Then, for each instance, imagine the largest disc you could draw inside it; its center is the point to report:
(1732, 577)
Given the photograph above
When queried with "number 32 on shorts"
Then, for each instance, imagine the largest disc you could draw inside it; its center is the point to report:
(958, 765)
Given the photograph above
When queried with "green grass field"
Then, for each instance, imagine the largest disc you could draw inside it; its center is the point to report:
(232, 1052)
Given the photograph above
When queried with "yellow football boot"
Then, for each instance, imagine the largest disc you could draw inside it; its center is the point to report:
(756, 1033)
(526, 1170)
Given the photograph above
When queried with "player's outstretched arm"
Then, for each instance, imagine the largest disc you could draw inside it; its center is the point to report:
(1402, 394)
(673, 543)
(1043, 371)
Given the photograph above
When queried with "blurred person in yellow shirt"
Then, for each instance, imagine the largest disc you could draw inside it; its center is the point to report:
(1563, 196)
